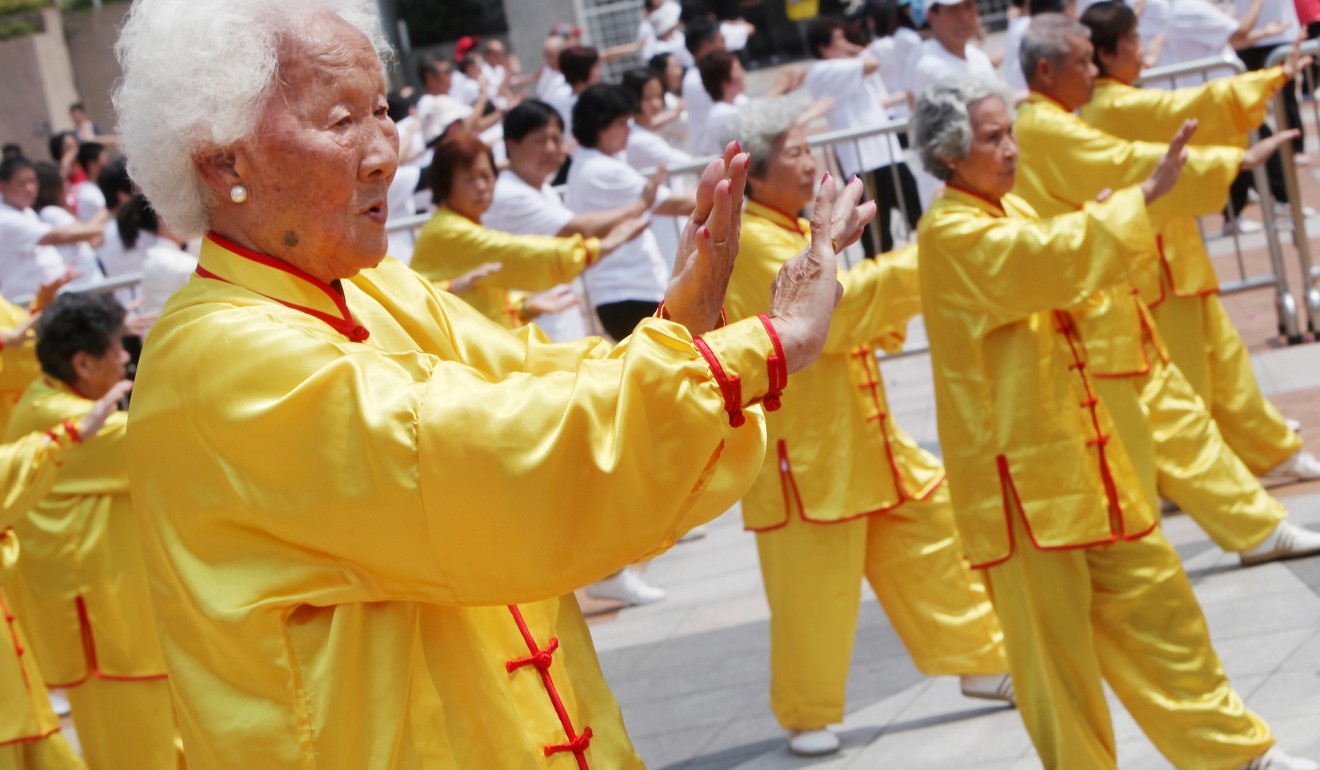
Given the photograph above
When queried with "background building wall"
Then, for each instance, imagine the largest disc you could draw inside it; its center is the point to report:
(91, 39)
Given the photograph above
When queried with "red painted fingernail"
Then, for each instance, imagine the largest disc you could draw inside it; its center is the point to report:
(824, 178)
(854, 179)
(737, 146)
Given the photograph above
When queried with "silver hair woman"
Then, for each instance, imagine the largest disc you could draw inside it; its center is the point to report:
(942, 124)
(361, 501)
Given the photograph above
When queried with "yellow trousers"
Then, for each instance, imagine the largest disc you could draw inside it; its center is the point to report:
(1178, 451)
(126, 725)
(1206, 346)
(1123, 614)
(50, 753)
(913, 559)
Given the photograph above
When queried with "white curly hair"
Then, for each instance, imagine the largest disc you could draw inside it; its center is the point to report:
(197, 74)
(942, 124)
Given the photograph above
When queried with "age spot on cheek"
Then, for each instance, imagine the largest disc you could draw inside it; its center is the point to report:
(290, 238)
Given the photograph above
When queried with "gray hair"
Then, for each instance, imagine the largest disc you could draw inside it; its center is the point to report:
(1046, 39)
(942, 124)
(197, 75)
(759, 124)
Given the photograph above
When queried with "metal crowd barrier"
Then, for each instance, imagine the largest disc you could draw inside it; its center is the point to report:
(125, 281)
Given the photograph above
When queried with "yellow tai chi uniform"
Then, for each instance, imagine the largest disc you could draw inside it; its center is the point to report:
(18, 364)
(450, 245)
(81, 592)
(30, 736)
(366, 507)
(1085, 584)
(1201, 338)
(1063, 164)
(845, 493)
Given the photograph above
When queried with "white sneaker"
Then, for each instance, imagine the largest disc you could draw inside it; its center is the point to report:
(1277, 760)
(987, 687)
(1242, 226)
(1287, 541)
(1302, 466)
(59, 704)
(1284, 211)
(1293, 425)
(812, 743)
(625, 586)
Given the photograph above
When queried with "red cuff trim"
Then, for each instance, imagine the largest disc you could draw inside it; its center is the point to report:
(660, 311)
(730, 387)
(73, 432)
(777, 365)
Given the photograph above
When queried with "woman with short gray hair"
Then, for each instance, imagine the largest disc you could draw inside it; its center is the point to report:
(942, 124)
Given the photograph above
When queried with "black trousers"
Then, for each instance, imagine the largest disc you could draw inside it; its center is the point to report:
(1246, 180)
(620, 318)
(1255, 58)
(892, 183)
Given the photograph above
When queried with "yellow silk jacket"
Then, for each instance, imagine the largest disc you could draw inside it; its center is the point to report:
(27, 473)
(365, 509)
(18, 365)
(836, 452)
(81, 586)
(450, 245)
(1227, 110)
(1018, 419)
(1063, 163)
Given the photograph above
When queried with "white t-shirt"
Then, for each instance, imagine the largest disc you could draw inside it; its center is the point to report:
(465, 89)
(1282, 11)
(893, 54)
(164, 271)
(24, 263)
(932, 62)
(80, 256)
(562, 98)
(636, 271)
(1011, 67)
(547, 81)
(646, 150)
(858, 103)
(399, 198)
(1197, 30)
(735, 35)
(1152, 22)
(117, 260)
(646, 36)
(697, 102)
(711, 137)
(521, 209)
(90, 200)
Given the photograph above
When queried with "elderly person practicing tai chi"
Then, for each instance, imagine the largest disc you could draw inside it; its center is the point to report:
(1201, 338)
(1086, 586)
(30, 737)
(1167, 431)
(365, 506)
(844, 492)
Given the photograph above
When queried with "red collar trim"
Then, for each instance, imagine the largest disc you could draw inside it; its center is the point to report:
(795, 226)
(344, 323)
(978, 196)
(1050, 99)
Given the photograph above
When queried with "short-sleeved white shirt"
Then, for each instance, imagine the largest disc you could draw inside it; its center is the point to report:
(521, 209)
(402, 204)
(547, 81)
(712, 134)
(465, 89)
(90, 200)
(858, 100)
(637, 270)
(164, 271)
(115, 258)
(1197, 29)
(893, 53)
(1011, 66)
(80, 256)
(24, 263)
(647, 149)
(562, 98)
(697, 102)
(932, 62)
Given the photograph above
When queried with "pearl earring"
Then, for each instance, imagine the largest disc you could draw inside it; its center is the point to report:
(238, 194)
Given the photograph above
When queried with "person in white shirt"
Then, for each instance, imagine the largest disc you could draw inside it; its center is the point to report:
(548, 77)
(1199, 29)
(580, 65)
(649, 150)
(628, 286)
(725, 81)
(166, 266)
(703, 37)
(677, 131)
(1010, 67)
(87, 197)
(843, 72)
(50, 206)
(28, 257)
(895, 39)
(1280, 17)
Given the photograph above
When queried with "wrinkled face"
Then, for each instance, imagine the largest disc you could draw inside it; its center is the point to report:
(653, 99)
(955, 25)
(471, 189)
(990, 167)
(97, 374)
(539, 154)
(1074, 78)
(613, 138)
(1125, 62)
(790, 178)
(21, 189)
(321, 158)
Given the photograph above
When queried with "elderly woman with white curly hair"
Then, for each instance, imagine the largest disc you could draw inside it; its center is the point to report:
(1086, 586)
(364, 505)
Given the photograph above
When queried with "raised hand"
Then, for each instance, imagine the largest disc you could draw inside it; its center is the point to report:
(47, 291)
(1295, 62)
(1166, 173)
(467, 280)
(105, 406)
(709, 244)
(554, 300)
(1261, 151)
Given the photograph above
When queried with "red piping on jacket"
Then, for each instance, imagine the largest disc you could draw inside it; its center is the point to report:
(345, 324)
(89, 651)
(541, 659)
(1173, 285)
(30, 738)
(730, 387)
(11, 621)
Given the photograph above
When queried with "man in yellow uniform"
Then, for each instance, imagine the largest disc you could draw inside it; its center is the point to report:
(18, 359)
(30, 737)
(1166, 429)
(1201, 338)
(844, 492)
(1086, 586)
(81, 586)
